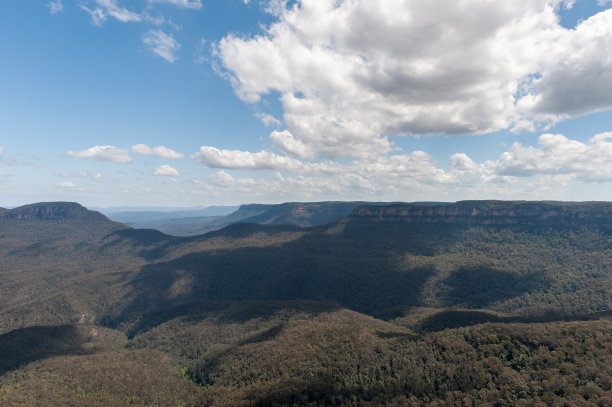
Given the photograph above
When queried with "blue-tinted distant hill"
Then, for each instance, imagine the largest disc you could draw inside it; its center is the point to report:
(173, 221)
(197, 222)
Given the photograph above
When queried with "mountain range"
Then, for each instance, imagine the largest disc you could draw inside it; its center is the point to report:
(310, 303)
(197, 222)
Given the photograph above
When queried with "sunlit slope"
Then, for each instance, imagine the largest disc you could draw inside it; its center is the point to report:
(300, 353)
(61, 263)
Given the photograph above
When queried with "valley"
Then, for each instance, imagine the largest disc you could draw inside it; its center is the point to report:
(467, 303)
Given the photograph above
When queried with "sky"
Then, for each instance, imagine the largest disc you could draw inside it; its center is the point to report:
(223, 102)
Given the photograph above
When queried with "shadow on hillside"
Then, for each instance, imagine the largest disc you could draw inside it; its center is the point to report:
(462, 318)
(137, 320)
(22, 346)
(352, 276)
(477, 287)
(356, 268)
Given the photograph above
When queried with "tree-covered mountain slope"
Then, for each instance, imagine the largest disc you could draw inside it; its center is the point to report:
(516, 258)
(61, 263)
(384, 267)
(480, 302)
(288, 354)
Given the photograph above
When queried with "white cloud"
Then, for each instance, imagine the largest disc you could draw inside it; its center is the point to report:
(537, 172)
(576, 78)
(100, 9)
(268, 120)
(192, 4)
(235, 159)
(558, 155)
(66, 186)
(602, 137)
(167, 171)
(160, 151)
(103, 153)
(97, 14)
(603, 3)
(55, 6)
(264, 189)
(568, 4)
(1, 150)
(162, 44)
(290, 145)
(351, 73)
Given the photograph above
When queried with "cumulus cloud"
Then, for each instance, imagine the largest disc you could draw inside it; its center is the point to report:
(103, 153)
(351, 73)
(289, 144)
(193, 4)
(602, 137)
(55, 6)
(263, 189)
(159, 151)
(558, 155)
(582, 83)
(236, 159)
(531, 171)
(162, 44)
(166, 170)
(99, 10)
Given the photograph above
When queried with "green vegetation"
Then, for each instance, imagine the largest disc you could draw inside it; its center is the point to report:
(373, 309)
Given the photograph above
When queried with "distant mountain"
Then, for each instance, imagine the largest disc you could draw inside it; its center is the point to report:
(187, 222)
(52, 210)
(192, 223)
(130, 216)
(493, 213)
(197, 222)
(302, 214)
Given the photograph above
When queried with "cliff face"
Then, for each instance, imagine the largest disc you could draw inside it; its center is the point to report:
(52, 210)
(493, 213)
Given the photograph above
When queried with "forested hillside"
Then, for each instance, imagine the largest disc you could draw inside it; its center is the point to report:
(482, 302)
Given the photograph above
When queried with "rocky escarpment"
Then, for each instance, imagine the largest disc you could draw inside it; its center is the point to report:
(493, 213)
(52, 210)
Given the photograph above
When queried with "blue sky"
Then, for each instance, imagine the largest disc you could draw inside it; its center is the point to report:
(211, 102)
